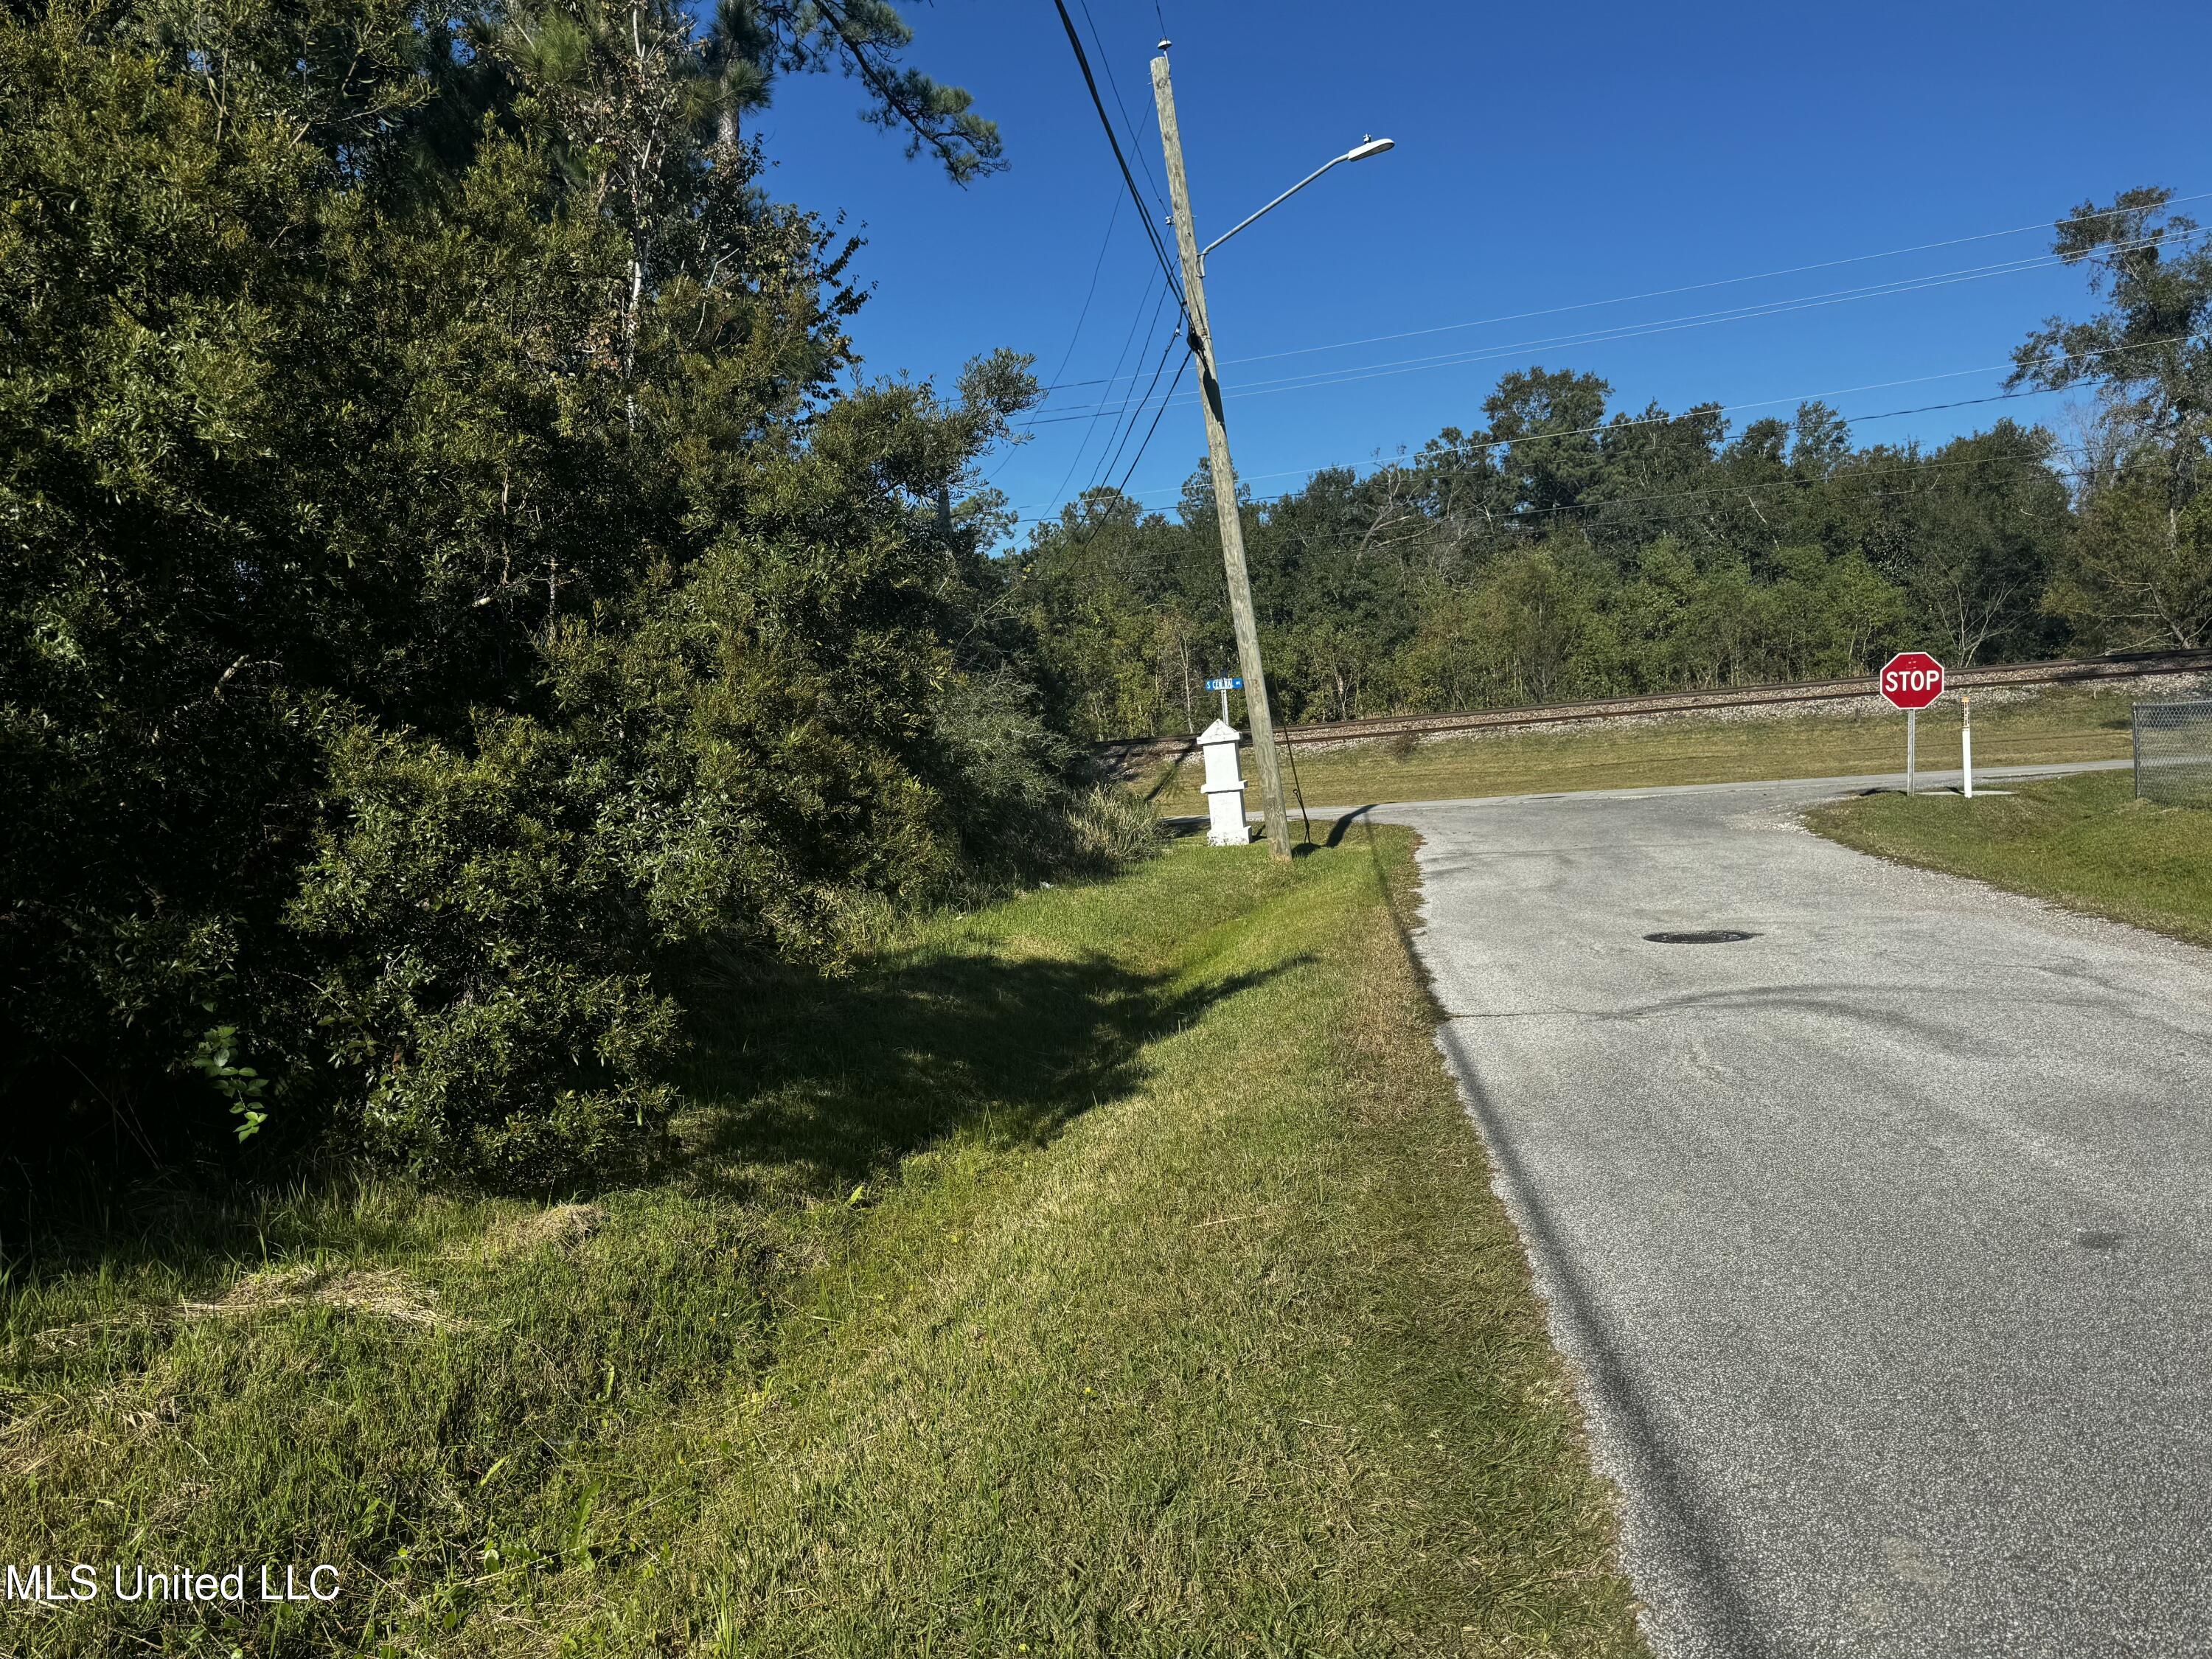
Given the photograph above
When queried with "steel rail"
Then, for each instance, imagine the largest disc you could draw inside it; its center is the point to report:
(1123, 755)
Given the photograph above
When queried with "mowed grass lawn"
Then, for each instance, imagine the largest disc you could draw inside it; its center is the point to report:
(1113, 1271)
(2085, 842)
(2069, 724)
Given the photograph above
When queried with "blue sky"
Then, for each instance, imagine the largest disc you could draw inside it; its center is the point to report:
(1547, 157)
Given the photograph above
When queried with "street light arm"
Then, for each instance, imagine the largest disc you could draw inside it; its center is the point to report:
(1271, 206)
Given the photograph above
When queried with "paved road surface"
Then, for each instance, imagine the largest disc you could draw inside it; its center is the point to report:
(1882, 1242)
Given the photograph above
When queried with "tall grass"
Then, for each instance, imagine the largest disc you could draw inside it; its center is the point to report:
(1111, 1271)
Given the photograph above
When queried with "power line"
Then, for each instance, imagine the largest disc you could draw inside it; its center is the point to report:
(1113, 218)
(1732, 313)
(1122, 488)
(1276, 535)
(1151, 231)
(1353, 372)
(1174, 340)
(1692, 287)
(1533, 437)
(1151, 327)
(1098, 264)
(1132, 407)
(1181, 368)
(1622, 422)
(1114, 83)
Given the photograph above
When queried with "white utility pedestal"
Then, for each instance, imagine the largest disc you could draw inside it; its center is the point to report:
(1225, 786)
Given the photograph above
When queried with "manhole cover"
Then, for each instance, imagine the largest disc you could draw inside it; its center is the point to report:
(1708, 936)
(2097, 1239)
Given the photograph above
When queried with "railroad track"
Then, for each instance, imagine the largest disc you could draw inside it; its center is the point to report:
(1125, 756)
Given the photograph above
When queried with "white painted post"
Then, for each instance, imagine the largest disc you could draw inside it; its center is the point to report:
(1966, 744)
(1911, 738)
(1224, 787)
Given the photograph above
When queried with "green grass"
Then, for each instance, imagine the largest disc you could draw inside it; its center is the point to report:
(2070, 724)
(2085, 842)
(1109, 1271)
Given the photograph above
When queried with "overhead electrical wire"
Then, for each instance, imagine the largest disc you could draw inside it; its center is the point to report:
(1351, 375)
(1690, 288)
(1277, 535)
(1151, 327)
(1354, 373)
(1622, 424)
(1704, 320)
(1113, 218)
(1111, 453)
(1181, 367)
(1174, 340)
(1084, 531)
(1128, 121)
(1539, 437)
(1112, 450)
(1132, 408)
(1082, 316)
(1090, 83)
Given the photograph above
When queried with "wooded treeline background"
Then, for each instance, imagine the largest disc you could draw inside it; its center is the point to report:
(1562, 550)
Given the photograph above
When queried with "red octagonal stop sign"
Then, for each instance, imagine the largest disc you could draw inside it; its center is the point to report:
(1911, 679)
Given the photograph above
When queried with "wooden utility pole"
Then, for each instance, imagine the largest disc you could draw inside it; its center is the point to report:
(1225, 478)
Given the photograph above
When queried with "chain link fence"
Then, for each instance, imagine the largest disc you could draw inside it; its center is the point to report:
(2173, 752)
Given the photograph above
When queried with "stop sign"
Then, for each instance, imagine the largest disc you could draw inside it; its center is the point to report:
(1911, 679)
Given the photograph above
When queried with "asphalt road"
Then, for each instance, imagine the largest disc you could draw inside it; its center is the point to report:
(1882, 1242)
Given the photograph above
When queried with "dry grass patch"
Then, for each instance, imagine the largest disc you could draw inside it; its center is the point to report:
(379, 1291)
(560, 1227)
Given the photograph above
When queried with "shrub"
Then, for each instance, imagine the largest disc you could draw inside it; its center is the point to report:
(452, 580)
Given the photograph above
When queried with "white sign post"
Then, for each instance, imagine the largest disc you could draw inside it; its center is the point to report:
(1967, 745)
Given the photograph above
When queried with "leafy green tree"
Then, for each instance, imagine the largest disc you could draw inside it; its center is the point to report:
(1993, 522)
(1559, 551)
(2137, 574)
(751, 43)
(446, 591)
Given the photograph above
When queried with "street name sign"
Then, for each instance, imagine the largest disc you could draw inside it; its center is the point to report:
(1911, 680)
(1223, 686)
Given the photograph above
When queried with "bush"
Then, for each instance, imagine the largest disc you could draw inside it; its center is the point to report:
(452, 582)
(1110, 828)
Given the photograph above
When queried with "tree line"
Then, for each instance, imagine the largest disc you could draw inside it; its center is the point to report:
(1565, 549)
